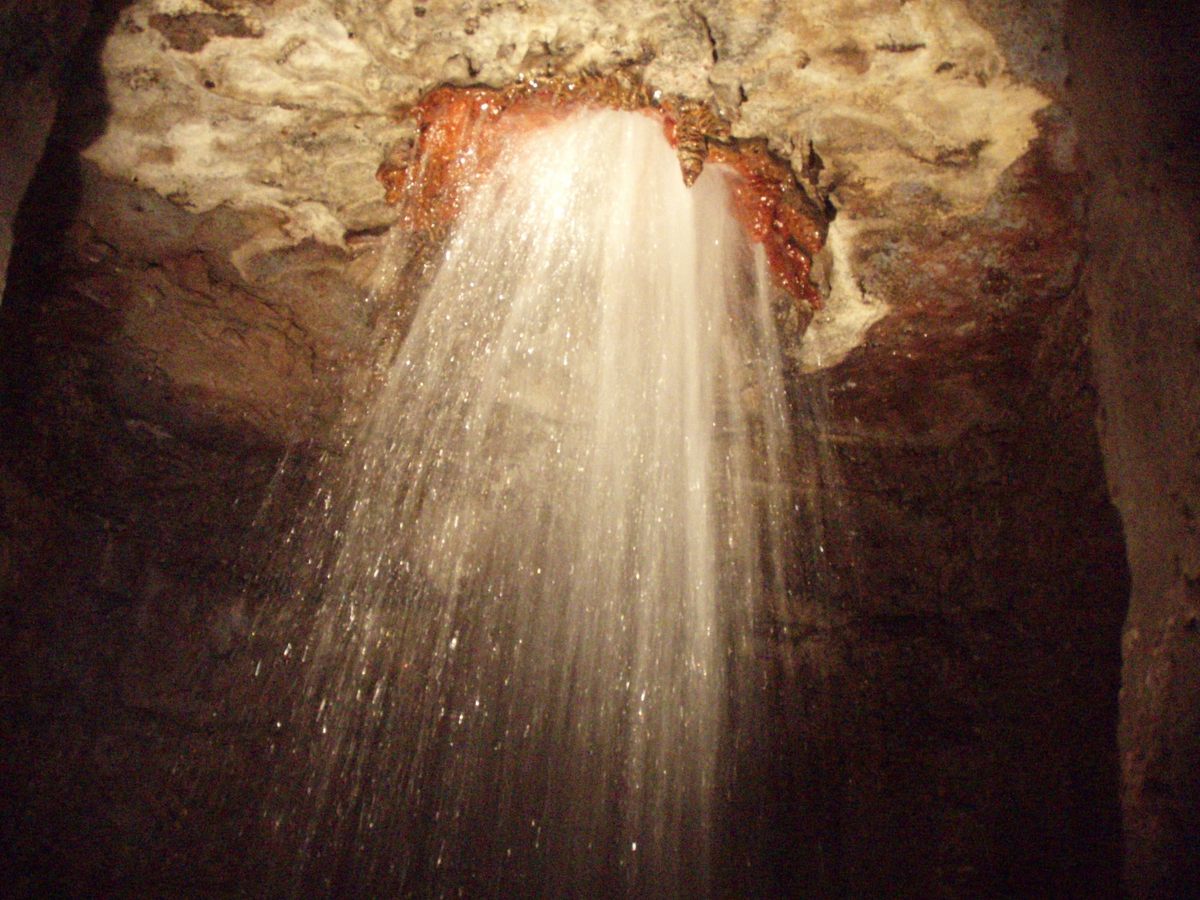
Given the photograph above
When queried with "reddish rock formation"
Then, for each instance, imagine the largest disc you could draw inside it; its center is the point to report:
(460, 132)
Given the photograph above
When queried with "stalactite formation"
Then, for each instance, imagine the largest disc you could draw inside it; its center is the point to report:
(461, 131)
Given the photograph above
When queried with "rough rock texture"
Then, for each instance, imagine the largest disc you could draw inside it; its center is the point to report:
(1138, 102)
(970, 582)
(286, 105)
(189, 302)
(35, 40)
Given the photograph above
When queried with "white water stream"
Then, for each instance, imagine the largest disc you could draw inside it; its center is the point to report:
(529, 656)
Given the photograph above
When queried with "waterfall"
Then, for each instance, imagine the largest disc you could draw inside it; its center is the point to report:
(524, 652)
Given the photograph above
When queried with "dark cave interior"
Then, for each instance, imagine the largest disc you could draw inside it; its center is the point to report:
(996, 691)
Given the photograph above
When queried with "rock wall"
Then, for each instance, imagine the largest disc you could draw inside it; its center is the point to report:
(35, 41)
(963, 643)
(1138, 107)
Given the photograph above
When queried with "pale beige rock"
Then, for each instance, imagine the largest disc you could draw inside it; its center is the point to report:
(296, 114)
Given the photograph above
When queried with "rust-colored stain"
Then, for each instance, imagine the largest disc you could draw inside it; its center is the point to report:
(461, 132)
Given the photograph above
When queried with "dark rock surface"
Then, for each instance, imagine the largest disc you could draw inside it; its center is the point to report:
(36, 40)
(961, 740)
(1137, 96)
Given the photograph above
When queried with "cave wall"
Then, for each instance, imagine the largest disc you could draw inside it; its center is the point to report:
(1138, 107)
(196, 305)
(966, 640)
(35, 41)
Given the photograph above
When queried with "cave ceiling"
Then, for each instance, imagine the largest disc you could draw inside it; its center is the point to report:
(229, 225)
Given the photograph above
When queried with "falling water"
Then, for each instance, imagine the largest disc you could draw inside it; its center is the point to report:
(526, 652)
